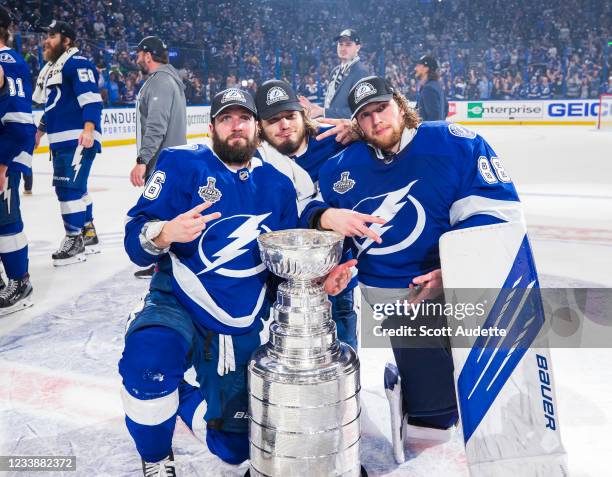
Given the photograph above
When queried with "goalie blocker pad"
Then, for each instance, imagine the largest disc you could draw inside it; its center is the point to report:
(505, 387)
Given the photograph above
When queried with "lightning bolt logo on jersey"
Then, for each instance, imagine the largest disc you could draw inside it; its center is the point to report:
(434, 184)
(238, 258)
(218, 277)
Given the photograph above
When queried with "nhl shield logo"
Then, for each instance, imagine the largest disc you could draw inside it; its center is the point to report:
(460, 131)
(363, 91)
(276, 94)
(344, 184)
(209, 192)
(233, 94)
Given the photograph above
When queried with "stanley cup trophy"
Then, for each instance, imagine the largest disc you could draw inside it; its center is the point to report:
(304, 383)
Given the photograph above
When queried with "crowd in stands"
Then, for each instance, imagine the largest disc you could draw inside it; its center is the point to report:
(487, 49)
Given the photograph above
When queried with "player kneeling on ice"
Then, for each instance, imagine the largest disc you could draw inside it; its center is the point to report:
(423, 180)
(208, 300)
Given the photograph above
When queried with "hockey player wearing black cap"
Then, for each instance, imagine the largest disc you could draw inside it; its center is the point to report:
(298, 147)
(161, 113)
(431, 100)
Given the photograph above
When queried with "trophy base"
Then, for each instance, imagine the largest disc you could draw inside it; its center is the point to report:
(364, 473)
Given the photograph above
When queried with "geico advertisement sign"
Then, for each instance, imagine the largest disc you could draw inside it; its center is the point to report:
(504, 110)
(579, 109)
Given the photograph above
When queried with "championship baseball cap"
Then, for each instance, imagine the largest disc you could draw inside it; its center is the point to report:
(275, 96)
(5, 18)
(429, 61)
(368, 90)
(232, 97)
(350, 34)
(63, 28)
(153, 45)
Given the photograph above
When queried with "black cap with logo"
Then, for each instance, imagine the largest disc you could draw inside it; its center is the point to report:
(275, 96)
(368, 90)
(428, 61)
(153, 45)
(63, 28)
(5, 18)
(349, 34)
(232, 97)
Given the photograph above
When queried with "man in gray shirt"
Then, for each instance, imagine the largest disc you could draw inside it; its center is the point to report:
(161, 113)
(161, 119)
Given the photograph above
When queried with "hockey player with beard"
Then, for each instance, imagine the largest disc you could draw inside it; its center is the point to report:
(208, 299)
(299, 147)
(16, 145)
(68, 87)
(423, 180)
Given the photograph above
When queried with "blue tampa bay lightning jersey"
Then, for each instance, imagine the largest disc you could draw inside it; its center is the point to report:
(317, 154)
(73, 98)
(446, 177)
(219, 277)
(17, 128)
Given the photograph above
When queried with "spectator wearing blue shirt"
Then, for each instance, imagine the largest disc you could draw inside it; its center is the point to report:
(431, 100)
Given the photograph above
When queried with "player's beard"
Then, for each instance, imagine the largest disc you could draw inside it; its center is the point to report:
(236, 155)
(387, 143)
(53, 53)
(287, 147)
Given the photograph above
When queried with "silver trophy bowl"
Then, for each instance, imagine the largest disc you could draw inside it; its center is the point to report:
(300, 255)
(303, 384)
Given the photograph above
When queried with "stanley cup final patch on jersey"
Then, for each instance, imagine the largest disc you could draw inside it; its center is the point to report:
(209, 192)
(233, 94)
(344, 184)
(276, 94)
(364, 90)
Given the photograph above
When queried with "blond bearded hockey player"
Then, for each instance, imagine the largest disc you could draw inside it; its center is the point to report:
(424, 180)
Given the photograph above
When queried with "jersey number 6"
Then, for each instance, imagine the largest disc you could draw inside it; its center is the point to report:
(154, 186)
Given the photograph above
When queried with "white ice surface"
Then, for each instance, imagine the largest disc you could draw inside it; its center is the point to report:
(59, 386)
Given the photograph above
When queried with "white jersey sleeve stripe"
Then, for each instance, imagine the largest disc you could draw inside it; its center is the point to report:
(88, 98)
(22, 118)
(70, 135)
(507, 210)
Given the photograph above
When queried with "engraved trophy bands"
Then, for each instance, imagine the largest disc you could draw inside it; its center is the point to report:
(304, 383)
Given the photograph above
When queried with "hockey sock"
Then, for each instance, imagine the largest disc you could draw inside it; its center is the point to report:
(14, 250)
(73, 209)
(88, 208)
(152, 365)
